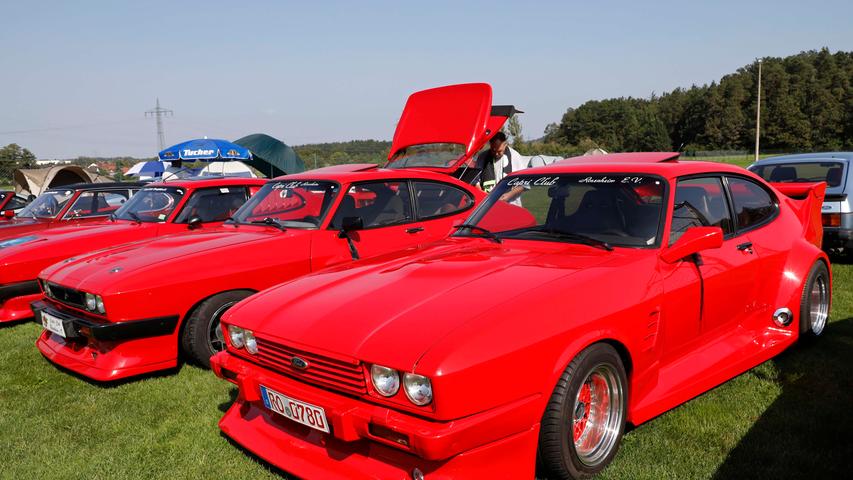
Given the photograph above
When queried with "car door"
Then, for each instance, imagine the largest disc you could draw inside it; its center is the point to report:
(727, 274)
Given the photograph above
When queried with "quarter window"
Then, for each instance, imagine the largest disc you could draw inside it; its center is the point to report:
(699, 202)
(438, 199)
(752, 204)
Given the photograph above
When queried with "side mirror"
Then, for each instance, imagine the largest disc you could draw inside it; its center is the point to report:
(194, 222)
(8, 213)
(693, 241)
(351, 224)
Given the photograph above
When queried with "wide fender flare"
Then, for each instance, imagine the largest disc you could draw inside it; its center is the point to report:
(795, 273)
(583, 341)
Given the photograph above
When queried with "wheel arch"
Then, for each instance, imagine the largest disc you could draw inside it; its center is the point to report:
(182, 321)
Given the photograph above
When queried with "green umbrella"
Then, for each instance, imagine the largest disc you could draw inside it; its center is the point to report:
(271, 156)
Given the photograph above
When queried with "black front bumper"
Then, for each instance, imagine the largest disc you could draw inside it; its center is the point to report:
(78, 327)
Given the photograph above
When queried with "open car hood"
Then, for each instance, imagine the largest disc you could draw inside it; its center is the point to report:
(461, 114)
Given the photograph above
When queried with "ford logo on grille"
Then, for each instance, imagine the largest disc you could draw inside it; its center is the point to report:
(298, 363)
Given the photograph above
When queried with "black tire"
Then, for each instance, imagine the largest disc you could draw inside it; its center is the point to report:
(197, 340)
(559, 456)
(815, 301)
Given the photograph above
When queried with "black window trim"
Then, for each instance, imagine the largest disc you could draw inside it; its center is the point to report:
(439, 182)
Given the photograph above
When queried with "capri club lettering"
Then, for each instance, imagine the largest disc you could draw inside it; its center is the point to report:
(532, 182)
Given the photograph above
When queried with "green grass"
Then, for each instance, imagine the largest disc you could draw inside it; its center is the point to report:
(787, 418)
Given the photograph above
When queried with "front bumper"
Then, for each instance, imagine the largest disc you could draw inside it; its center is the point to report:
(108, 351)
(497, 443)
(15, 300)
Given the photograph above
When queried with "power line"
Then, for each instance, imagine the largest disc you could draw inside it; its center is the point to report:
(159, 113)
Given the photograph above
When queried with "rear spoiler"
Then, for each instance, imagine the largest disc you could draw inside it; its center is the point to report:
(806, 199)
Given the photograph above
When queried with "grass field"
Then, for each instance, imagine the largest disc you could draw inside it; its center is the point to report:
(787, 418)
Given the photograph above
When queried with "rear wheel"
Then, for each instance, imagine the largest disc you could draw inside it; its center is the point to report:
(815, 301)
(203, 336)
(585, 417)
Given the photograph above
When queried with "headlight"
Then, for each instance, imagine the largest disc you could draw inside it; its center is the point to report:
(251, 343)
(235, 334)
(46, 287)
(386, 380)
(418, 388)
(91, 303)
(99, 304)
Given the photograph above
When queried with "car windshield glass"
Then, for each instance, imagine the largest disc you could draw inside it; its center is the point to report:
(427, 155)
(600, 209)
(289, 203)
(830, 172)
(151, 204)
(48, 204)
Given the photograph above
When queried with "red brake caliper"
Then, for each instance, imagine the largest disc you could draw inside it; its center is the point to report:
(584, 398)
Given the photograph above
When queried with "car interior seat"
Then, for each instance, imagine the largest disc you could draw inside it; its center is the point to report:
(783, 174)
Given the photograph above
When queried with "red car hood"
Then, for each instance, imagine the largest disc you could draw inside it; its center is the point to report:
(92, 272)
(392, 308)
(20, 226)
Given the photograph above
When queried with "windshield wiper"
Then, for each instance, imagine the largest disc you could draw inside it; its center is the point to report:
(273, 222)
(577, 237)
(485, 233)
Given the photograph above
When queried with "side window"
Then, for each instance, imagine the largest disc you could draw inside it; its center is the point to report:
(377, 203)
(752, 204)
(16, 203)
(213, 204)
(96, 204)
(437, 199)
(699, 202)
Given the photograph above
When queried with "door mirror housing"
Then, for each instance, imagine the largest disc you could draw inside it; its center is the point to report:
(8, 213)
(194, 222)
(351, 224)
(693, 241)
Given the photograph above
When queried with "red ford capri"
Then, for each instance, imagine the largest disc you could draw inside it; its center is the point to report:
(164, 297)
(612, 290)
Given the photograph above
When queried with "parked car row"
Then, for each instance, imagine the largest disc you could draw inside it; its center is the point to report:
(397, 322)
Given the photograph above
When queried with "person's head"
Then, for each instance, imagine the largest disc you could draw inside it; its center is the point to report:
(497, 144)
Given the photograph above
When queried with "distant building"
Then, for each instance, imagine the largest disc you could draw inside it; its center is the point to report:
(47, 162)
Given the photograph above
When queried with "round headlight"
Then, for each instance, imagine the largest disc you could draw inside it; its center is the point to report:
(235, 334)
(418, 388)
(99, 304)
(386, 380)
(251, 343)
(47, 289)
(91, 303)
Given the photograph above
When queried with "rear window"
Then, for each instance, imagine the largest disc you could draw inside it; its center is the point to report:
(427, 155)
(806, 172)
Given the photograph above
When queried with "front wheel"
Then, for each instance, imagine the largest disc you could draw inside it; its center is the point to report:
(203, 337)
(815, 301)
(585, 417)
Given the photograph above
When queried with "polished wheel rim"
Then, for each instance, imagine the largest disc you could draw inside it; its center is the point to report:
(818, 305)
(597, 415)
(215, 338)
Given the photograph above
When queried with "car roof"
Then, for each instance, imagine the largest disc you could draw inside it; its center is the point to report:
(207, 181)
(664, 164)
(359, 172)
(806, 157)
(98, 186)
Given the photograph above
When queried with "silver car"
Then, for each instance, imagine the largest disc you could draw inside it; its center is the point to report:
(829, 167)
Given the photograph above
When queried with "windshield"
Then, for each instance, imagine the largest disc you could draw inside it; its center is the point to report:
(427, 155)
(805, 172)
(48, 204)
(293, 204)
(615, 209)
(152, 204)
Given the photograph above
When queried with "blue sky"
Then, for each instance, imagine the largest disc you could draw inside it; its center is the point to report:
(78, 76)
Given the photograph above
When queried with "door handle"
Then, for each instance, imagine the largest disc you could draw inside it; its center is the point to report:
(414, 229)
(745, 247)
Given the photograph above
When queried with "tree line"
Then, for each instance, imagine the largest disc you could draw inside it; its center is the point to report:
(806, 105)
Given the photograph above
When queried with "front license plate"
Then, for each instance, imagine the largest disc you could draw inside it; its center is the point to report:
(53, 324)
(304, 413)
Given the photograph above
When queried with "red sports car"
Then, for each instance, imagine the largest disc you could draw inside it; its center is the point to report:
(297, 224)
(611, 290)
(157, 209)
(69, 205)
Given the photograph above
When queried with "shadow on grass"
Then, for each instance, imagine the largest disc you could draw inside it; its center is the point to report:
(14, 323)
(232, 394)
(260, 461)
(808, 430)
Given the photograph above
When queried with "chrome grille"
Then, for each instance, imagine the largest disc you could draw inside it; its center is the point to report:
(347, 376)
